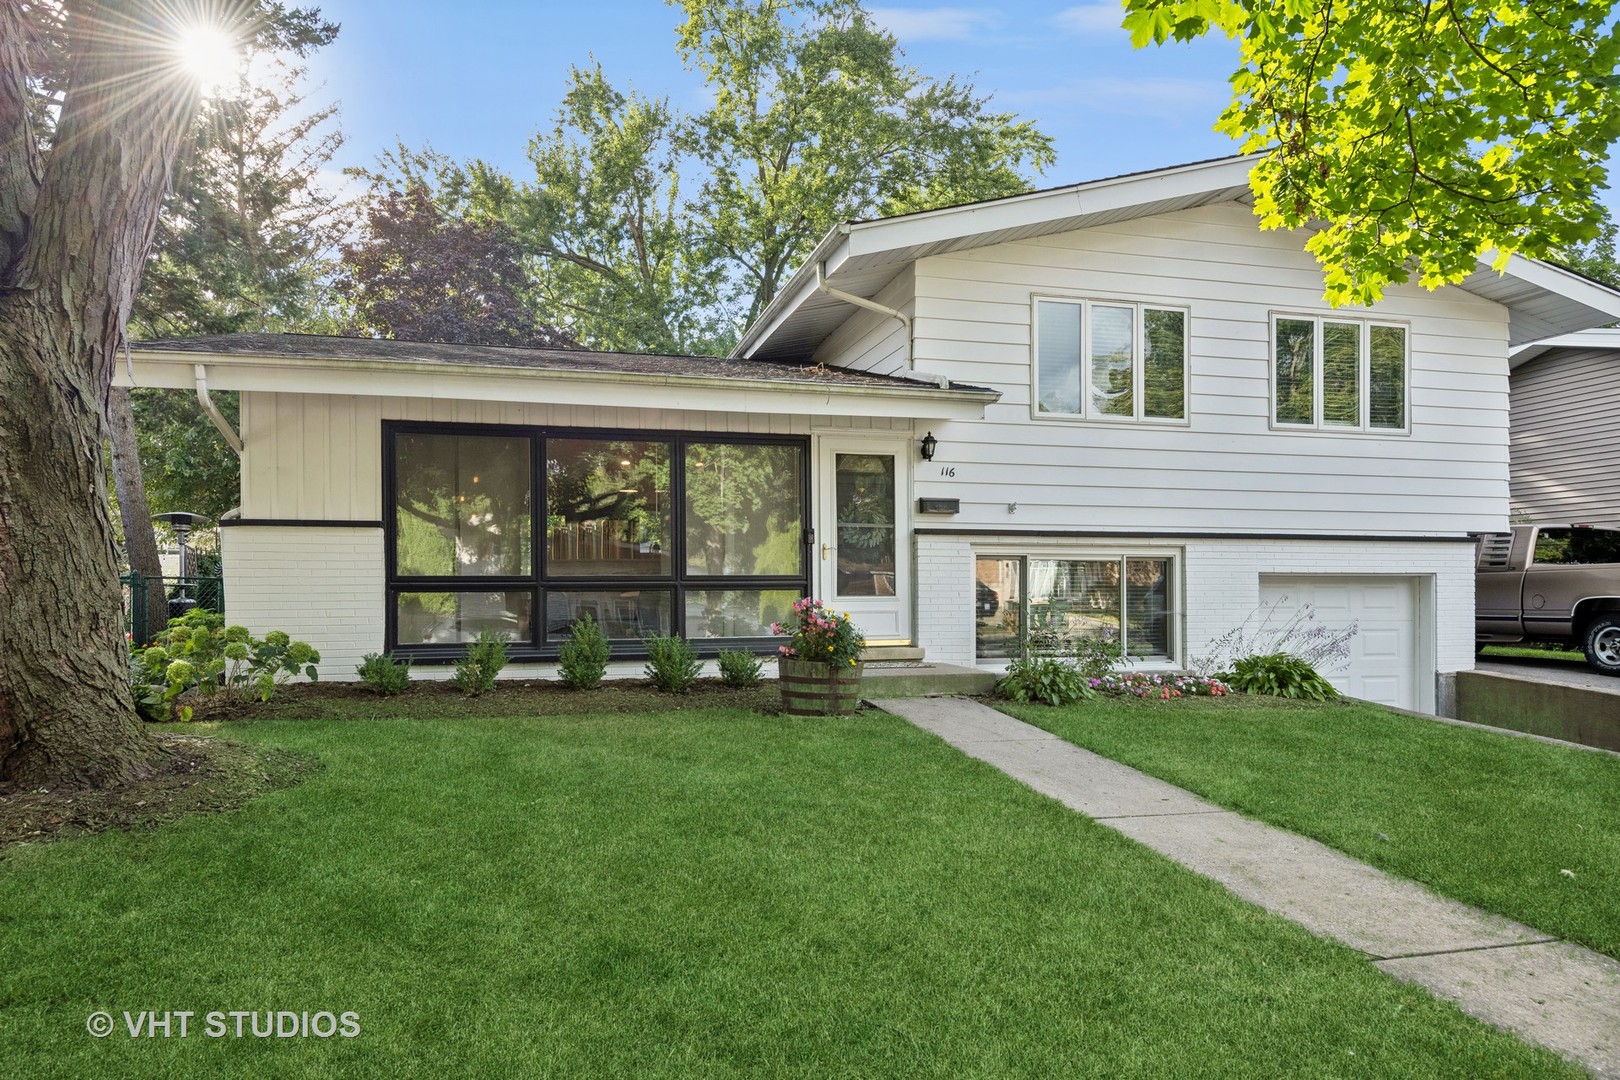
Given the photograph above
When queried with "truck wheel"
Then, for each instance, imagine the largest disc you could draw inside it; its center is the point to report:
(1603, 644)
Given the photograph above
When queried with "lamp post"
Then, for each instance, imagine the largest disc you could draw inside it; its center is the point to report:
(182, 522)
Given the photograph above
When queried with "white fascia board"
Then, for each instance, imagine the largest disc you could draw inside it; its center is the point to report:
(293, 375)
(1602, 300)
(897, 235)
(1038, 208)
(1581, 341)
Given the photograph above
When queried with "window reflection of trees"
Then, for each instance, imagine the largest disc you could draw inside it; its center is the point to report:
(743, 512)
(607, 507)
(460, 509)
(1295, 359)
(864, 503)
(462, 506)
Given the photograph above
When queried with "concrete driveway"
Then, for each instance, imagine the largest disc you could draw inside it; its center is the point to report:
(1561, 672)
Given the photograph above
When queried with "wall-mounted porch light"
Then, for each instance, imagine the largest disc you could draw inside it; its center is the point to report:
(929, 445)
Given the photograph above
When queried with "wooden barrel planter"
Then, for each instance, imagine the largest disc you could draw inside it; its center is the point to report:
(819, 689)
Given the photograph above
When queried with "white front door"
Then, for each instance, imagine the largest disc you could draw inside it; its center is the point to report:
(863, 531)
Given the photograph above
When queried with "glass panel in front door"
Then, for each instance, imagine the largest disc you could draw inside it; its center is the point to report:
(864, 504)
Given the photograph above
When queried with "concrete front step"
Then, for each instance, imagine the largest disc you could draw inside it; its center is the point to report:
(880, 654)
(925, 680)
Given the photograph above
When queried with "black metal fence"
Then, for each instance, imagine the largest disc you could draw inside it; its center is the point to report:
(178, 595)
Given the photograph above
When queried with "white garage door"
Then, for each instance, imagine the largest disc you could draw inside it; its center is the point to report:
(1384, 664)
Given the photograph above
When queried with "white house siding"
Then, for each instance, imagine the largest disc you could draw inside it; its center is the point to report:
(316, 457)
(322, 585)
(1226, 469)
(1220, 585)
(1565, 422)
(319, 456)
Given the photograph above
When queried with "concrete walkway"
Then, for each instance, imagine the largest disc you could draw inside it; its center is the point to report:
(1546, 991)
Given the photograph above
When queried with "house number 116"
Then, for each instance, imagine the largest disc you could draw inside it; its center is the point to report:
(947, 470)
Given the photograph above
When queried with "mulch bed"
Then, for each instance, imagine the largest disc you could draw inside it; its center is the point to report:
(435, 699)
(204, 775)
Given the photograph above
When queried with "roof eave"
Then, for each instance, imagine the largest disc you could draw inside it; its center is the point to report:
(403, 378)
(873, 240)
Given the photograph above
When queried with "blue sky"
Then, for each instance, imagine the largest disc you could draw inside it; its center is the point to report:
(477, 78)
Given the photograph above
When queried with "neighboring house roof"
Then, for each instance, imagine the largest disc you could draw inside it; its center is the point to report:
(312, 363)
(861, 257)
(1606, 339)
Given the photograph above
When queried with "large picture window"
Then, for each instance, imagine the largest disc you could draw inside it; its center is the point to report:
(1110, 360)
(525, 530)
(1045, 604)
(1338, 374)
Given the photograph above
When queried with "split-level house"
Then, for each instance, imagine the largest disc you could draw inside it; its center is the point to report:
(1116, 407)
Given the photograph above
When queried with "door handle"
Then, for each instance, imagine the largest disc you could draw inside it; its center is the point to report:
(825, 548)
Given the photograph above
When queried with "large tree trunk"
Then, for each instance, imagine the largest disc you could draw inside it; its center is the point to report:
(140, 541)
(67, 716)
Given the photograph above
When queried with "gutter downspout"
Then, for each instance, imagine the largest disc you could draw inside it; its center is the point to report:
(211, 410)
(862, 302)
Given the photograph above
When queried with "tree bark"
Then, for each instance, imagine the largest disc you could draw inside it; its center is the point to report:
(67, 716)
(140, 541)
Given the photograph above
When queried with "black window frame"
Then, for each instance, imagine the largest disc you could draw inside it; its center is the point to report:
(540, 583)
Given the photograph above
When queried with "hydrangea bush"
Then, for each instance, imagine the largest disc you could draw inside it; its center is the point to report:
(820, 635)
(197, 651)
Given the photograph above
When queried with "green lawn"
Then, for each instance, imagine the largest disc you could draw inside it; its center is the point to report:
(710, 893)
(1533, 652)
(1489, 819)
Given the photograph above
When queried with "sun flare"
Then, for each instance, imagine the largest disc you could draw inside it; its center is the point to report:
(208, 55)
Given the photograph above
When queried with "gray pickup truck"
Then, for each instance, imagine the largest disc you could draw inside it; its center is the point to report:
(1551, 583)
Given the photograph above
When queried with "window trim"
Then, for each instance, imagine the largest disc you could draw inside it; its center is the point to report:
(539, 582)
(1319, 424)
(1175, 616)
(1138, 359)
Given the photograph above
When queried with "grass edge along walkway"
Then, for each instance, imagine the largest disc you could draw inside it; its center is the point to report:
(1552, 993)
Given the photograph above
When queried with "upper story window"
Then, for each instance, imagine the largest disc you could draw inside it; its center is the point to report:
(1338, 374)
(1110, 360)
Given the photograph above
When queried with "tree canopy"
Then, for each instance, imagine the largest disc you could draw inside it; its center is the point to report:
(1418, 137)
(645, 227)
(421, 275)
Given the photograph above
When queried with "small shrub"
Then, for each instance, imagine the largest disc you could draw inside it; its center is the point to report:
(384, 675)
(739, 668)
(1279, 675)
(197, 651)
(1298, 635)
(1044, 679)
(475, 673)
(671, 664)
(1095, 657)
(584, 657)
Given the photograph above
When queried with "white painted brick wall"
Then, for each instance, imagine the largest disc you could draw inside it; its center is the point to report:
(321, 585)
(945, 598)
(1220, 581)
(1223, 584)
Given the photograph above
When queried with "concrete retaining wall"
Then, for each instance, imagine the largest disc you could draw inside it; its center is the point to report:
(1574, 713)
